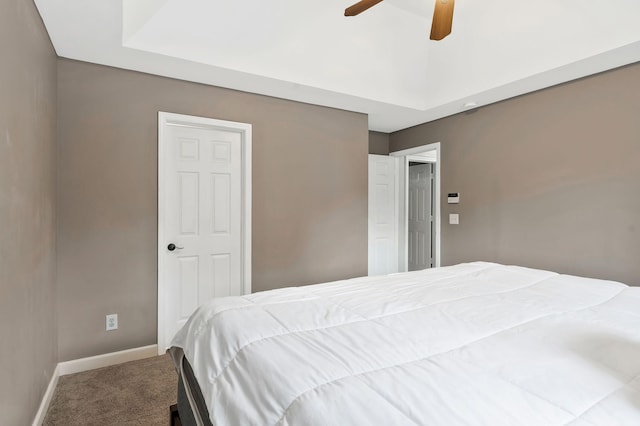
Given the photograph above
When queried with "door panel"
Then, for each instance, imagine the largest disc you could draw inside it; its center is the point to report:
(189, 283)
(420, 218)
(221, 209)
(203, 208)
(383, 215)
(188, 190)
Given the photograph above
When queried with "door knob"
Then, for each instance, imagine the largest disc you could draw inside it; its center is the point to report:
(172, 247)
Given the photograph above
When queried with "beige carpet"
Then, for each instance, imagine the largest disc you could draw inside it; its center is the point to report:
(134, 393)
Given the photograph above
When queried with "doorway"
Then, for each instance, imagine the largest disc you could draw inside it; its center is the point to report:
(418, 207)
(204, 216)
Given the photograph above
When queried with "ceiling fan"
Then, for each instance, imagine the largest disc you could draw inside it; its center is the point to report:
(442, 16)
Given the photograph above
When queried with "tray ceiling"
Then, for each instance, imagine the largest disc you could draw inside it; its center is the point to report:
(381, 63)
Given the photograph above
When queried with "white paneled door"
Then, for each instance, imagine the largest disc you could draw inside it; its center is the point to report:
(383, 215)
(201, 209)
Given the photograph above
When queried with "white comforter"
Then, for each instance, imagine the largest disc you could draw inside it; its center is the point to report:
(472, 344)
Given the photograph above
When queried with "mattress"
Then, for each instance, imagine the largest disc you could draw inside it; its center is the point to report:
(471, 344)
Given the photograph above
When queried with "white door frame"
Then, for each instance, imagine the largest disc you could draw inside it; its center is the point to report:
(403, 176)
(171, 119)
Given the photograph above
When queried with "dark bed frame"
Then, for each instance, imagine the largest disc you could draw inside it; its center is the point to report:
(174, 419)
(181, 414)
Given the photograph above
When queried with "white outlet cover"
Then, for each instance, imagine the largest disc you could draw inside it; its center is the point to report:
(454, 219)
(112, 322)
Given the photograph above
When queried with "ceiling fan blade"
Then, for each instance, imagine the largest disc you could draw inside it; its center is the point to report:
(360, 7)
(442, 19)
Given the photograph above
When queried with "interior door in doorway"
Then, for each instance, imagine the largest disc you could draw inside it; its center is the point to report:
(201, 255)
(383, 215)
(420, 217)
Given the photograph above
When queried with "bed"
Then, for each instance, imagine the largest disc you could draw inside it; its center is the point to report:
(471, 344)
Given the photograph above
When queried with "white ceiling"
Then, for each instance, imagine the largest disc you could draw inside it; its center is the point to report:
(381, 63)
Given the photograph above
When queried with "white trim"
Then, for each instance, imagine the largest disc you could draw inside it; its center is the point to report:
(106, 360)
(402, 180)
(47, 397)
(171, 119)
(86, 364)
(417, 150)
(397, 210)
(247, 191)
(161, 237)
(407, 153)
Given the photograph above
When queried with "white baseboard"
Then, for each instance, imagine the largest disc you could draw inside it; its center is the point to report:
(113, 358)
(90, 363)
(46, 399)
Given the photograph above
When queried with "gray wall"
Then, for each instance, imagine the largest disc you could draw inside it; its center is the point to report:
(378, 143)
(549, 180)
(28, 352)
(309, 196)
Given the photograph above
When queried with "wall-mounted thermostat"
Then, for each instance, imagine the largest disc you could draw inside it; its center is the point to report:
(453, 198)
